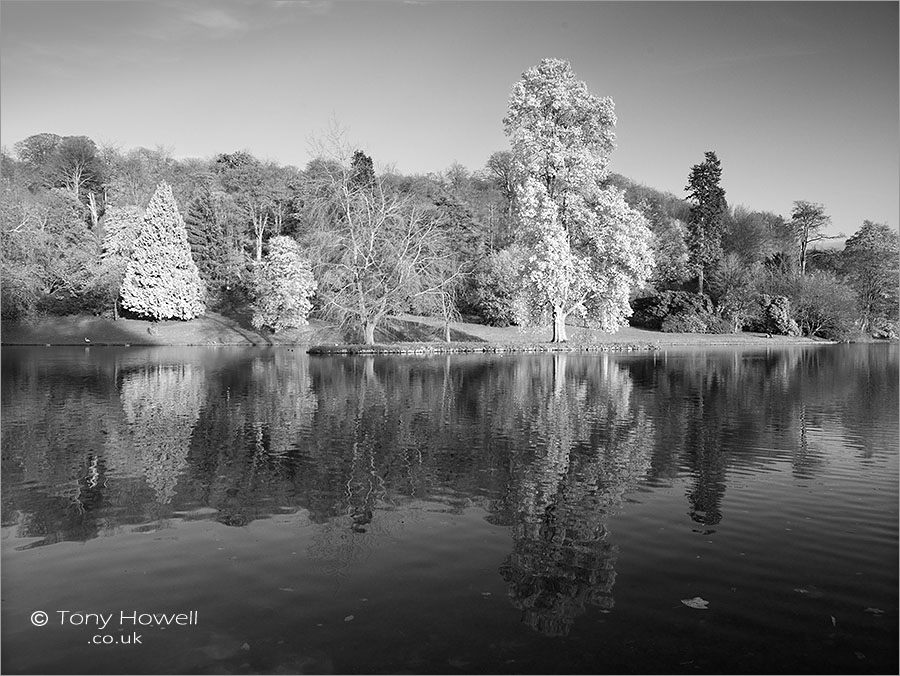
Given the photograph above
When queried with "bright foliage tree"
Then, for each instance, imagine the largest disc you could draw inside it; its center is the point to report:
(283, 287)
(871, 262)
(584, 247)
(161, 280)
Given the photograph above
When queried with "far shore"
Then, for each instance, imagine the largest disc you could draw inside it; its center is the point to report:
(402, 334)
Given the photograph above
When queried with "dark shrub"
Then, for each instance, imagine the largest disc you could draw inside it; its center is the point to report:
(651, 312)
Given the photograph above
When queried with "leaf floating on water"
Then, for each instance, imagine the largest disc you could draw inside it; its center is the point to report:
(696, 602)
(875, 611)
(485, 593)
(287, 589)
(349, 618)
(833, 621)
(802, 591)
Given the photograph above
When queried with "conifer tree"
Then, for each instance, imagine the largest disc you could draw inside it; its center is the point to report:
(161, 280)
(206, 236)
(707, 219)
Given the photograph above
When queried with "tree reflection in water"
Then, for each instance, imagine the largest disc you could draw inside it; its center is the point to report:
(588, 446)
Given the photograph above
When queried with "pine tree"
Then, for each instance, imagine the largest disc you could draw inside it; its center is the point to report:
(161, 280)
(706, 222)
(206, 236)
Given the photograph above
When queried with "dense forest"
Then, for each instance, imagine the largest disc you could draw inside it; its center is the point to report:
(533, 236)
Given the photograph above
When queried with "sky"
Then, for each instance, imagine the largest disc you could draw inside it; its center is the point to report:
(798, 100)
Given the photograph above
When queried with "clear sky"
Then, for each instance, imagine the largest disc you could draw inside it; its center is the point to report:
(799, 100)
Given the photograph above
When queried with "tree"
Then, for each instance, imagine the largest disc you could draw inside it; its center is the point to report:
(283, 287)
(362, 170)
(121, 227)
(161, 280)
(707, 217)
(375, 251)
(871, 262)
(585, 247)
(807, 219)
(253, 185)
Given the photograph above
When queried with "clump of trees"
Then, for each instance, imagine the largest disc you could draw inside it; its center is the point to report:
(541, 233)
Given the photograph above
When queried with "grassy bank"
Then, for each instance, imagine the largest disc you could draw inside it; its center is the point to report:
(404, 334)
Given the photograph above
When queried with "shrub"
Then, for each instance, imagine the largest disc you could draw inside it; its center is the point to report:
(774, 316)
(651, 312)
(497, 294)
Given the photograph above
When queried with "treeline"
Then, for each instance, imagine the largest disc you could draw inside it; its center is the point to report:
(95, 229)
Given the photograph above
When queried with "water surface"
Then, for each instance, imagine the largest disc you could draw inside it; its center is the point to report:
(458, 514)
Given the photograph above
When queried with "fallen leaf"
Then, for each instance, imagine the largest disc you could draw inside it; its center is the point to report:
(696, 602)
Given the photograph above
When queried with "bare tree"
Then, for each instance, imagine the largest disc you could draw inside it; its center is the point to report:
(374, 251)
(807, 219)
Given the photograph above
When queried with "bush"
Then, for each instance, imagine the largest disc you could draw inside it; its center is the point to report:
(496, 296)
(651, 312)
(774, 316)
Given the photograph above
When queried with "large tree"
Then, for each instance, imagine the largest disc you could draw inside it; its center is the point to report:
(706, 222)
(161, 280)
(375, 251)
(871, 263)
(584, 247)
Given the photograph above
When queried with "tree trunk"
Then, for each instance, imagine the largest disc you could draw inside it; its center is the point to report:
(559, 325)
(446, 330)
(700, 281)
(369, 332)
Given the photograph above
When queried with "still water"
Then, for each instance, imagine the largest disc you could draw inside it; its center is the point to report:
(248, 510)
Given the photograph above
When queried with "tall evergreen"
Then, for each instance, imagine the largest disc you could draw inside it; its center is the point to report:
(706, 222)
(206, 236)
(162, 280)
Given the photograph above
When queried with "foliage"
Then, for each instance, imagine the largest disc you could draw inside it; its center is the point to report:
(757, 236)
(161, 280)
(871, 261)
(585, 247)
(707, 216)
(650, 312)
(498, 299)
(775, 316)
(733, 285)
(283, 287)
(823, 305)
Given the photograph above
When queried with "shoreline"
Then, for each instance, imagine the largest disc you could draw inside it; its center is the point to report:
(404, 334)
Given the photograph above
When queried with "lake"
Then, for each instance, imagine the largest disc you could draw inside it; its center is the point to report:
(259, 510)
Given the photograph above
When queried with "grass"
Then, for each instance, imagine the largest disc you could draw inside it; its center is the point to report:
(423, 333)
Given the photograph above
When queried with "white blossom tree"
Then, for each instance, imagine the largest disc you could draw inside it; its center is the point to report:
(585, 248)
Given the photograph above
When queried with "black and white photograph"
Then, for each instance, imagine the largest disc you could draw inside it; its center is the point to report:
(449, 337)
